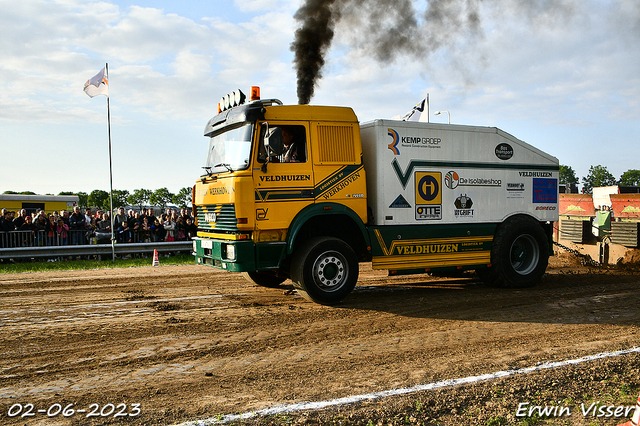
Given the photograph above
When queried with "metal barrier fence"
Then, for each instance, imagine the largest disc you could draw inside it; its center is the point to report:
(73, 237)
(36, 245)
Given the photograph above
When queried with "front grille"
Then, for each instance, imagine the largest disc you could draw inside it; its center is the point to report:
(225, 218)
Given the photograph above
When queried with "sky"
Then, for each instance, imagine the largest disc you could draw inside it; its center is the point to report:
(562, 75)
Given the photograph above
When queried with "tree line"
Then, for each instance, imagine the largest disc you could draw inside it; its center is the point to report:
(99, 199)
(598, 176)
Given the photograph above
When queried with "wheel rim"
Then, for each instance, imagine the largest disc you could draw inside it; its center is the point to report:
(524, 254)
(330, 271)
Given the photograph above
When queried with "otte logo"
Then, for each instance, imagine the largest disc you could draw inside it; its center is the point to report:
(428, 195)
(393, 146)
(428, 188)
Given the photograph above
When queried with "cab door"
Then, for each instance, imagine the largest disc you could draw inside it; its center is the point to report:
(285, 188)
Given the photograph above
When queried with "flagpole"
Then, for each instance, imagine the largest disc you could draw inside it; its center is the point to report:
(428, 117)
(113, 247)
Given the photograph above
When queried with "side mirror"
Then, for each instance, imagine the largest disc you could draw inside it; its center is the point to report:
(273, 141)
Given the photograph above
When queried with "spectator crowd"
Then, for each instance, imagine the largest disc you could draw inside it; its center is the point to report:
(91, 227)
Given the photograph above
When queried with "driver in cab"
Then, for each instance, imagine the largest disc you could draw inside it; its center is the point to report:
(292, 152)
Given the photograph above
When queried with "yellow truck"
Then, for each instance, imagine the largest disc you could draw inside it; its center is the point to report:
(306, 192)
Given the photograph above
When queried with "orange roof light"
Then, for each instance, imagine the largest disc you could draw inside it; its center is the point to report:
(255, 93)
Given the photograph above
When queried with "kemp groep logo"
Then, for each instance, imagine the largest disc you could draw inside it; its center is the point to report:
(393, 146)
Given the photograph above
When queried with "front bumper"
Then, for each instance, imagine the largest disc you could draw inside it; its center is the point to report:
(234, 256)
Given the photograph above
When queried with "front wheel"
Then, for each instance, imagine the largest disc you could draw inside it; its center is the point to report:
(519, 254)
(324, 270)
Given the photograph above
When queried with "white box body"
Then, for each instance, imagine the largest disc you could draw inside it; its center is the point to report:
(423, 173)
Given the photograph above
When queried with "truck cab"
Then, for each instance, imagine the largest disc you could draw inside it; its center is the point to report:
(255, 208)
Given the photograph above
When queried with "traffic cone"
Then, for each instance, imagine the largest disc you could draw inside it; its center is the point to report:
(635, 420)
(156, 262)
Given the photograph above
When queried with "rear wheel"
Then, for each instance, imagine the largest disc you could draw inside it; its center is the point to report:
(519, 254)
(324, 270)
(263, 279)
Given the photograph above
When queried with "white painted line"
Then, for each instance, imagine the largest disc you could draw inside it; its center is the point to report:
(289, 408)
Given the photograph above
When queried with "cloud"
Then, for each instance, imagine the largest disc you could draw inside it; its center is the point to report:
(266, 5)
(163, 63)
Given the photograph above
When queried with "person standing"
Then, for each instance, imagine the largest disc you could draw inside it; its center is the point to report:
(63, 232)
(6, 226)
(119, 219)
(77, 226)
(20, 219)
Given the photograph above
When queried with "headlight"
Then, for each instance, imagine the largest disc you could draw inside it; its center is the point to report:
(231, 252)
(236, 98)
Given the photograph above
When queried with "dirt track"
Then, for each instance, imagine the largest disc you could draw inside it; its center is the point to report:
(191, 343)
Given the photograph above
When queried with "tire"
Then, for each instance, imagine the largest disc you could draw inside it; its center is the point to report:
(519, 254)
(324, 270)
(263, 279)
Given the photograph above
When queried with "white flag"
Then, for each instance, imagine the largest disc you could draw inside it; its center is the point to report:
(97, 85)
(415, 114)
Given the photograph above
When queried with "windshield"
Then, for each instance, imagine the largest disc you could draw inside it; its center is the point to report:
(230, 150)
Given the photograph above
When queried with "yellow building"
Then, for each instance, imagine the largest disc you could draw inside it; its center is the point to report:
(34, 203)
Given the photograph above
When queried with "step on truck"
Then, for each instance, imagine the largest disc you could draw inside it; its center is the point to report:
(306, 192)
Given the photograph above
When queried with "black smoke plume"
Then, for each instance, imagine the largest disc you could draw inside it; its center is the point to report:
(383, 29)
(312, 40)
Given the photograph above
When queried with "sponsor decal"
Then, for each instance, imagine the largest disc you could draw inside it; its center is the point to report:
(218, 190)
(428, 195)
(453, 179)
(546, 208)
(504, 151)
(428, 212)
(445, 246)
(410, 141)
(515, 189)
(463, 202)
(339, 179)
(428, 187)
(342, 185)
(463, 208)
(393, 146)
(545, 191)
(413, 141)
(535, 174)
(400, 203)
(261, 214)
(285, 178)
(428, 248)
(335, 177)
